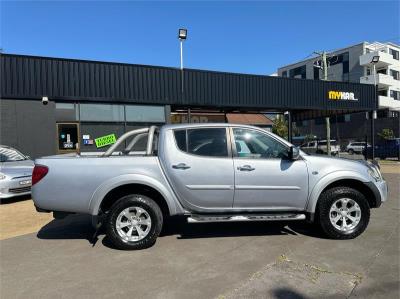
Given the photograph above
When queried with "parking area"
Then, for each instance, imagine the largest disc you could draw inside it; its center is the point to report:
(45, 258)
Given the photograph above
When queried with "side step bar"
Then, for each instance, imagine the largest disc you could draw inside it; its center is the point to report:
(233, 218)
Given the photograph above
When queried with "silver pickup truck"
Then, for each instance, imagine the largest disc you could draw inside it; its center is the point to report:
(210, 173)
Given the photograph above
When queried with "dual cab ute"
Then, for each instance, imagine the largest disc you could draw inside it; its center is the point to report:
(210, 173)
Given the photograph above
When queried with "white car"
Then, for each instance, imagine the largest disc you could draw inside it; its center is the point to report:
(320, 147)
(15, 173)
(356, 147)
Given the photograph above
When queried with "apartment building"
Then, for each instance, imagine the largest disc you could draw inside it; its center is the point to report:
(355, 64)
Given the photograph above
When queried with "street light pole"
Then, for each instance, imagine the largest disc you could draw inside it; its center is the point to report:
(182, 35)
(181, 44)
(374, 61)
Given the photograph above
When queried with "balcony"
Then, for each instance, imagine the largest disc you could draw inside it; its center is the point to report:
(385, 59)
(382, 80)
(388, 102)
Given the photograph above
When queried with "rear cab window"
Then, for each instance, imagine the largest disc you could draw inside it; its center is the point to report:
(207, 142)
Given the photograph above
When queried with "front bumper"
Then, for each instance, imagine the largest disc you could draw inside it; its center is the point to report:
(380, 190)
(12, 187)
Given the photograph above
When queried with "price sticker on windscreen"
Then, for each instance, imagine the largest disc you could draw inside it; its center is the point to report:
(105, 140)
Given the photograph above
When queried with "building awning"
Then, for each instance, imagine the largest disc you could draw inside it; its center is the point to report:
(31, 77)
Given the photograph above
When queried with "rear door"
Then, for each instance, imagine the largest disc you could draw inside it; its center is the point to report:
(264, 177)
(199, 166)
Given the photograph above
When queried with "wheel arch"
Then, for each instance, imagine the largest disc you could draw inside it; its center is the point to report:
(355, 182)
(112, 190)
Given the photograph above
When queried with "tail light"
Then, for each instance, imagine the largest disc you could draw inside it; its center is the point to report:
(39, 172)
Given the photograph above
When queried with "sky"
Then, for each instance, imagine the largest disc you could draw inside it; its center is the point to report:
(233, 36)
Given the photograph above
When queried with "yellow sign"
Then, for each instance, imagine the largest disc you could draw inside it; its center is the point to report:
(341, 96)
(105, 140)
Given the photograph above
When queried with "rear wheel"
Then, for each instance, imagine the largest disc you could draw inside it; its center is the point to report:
(343, 213)
(134, 222)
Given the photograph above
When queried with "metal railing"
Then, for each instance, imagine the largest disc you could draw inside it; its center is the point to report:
(140, 133)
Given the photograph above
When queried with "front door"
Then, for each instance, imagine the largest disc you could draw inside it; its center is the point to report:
(68, 137)
(264, 177)
(200, 168)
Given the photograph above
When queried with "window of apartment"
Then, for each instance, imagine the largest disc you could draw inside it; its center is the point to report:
(102, 112)
(337, 59)
(382, 71)
(316, 73)
(138, 113)
(345, 65)
(395, 74)
(347, 118)
(382, 92)
(394, 53)
(284, 74)
(298, 72)
(395, 95)
(394, 114)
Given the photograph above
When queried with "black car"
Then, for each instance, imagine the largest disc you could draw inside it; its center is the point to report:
(385, 149)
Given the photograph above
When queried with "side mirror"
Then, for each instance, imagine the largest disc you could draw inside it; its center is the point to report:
(294, 153)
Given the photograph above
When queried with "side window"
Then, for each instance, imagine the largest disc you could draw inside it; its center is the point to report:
(254, 144)
(210, 142)
(180, 138)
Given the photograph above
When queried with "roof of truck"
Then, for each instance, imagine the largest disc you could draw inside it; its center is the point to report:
(199, 125)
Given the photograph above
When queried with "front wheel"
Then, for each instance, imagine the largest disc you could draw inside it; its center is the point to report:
(350, 151)
(343, 213)
(134, 222)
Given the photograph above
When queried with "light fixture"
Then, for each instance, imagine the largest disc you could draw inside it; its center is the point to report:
(375, 59)
(182, 33)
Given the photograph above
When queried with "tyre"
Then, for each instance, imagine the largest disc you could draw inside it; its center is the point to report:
(350, 151)
(342, 213)
(319, 152)
(134, 222)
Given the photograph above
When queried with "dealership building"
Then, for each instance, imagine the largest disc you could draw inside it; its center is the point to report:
(53, 105)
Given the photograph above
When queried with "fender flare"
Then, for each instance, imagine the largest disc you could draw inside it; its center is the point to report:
(126, 179)
(328, 179)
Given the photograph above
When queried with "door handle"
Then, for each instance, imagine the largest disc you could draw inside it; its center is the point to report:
(245, 168)
(181, 166)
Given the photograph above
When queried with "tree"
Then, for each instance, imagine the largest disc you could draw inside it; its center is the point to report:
(386, 134)
(280, 127)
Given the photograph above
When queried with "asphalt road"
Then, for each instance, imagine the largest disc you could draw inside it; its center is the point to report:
(240, 260)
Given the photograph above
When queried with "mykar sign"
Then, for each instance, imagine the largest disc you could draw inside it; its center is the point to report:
(105, 140)
(341, 96)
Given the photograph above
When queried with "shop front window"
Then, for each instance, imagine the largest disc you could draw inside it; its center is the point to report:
(151, 114)
(66, 112)
(101, 112)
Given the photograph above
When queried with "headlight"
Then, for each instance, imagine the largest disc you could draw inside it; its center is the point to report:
(2, 176)
(375, 173)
